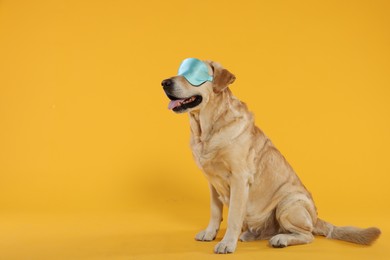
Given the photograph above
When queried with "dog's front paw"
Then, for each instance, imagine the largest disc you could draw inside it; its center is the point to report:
(206, 235)
(225, 247)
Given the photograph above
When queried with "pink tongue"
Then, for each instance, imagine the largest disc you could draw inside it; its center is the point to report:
(175, 103)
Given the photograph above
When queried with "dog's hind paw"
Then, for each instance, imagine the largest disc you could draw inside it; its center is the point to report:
(279, 241)
(248, 236)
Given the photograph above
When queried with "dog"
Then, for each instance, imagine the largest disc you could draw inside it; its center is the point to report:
(264, 196)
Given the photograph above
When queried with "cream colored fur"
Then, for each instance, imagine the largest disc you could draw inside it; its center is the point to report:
(245, 171)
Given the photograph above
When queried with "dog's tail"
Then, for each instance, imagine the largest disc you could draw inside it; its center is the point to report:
(363, 236)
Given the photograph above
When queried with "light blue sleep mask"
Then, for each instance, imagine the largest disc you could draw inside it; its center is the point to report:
(194, 71)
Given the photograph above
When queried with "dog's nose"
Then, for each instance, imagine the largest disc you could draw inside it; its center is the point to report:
(167, 83)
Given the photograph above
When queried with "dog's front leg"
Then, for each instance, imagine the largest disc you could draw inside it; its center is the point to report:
(239, 189)
(216, 208)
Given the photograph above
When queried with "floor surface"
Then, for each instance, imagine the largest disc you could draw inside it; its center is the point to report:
(152, 235)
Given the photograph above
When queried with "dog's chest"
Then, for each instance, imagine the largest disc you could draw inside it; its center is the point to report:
(215, 167)
(209, 155)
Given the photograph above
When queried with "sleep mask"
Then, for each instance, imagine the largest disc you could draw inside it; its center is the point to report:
(194, 71)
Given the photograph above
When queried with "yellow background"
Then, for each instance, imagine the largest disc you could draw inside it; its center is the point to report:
(94, 166)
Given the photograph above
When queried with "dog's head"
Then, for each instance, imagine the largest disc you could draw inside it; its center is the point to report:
(191, 90)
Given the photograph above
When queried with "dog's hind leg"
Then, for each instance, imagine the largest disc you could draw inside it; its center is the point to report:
(297, 226)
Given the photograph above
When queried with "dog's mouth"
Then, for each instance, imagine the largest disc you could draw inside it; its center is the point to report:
(182, 104)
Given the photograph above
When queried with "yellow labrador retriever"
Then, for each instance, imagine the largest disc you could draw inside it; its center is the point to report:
(245, 171)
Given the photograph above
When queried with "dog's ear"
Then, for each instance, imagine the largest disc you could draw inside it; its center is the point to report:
(222, 78)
